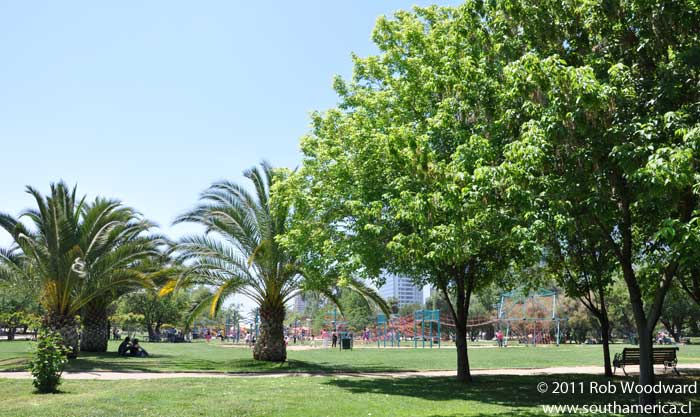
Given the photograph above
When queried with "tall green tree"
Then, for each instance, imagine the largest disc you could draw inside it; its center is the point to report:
(240, 254)
(65, 252)
(604, 106)
(404, 174)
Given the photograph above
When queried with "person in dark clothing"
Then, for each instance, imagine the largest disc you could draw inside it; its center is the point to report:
(334, 339)
(124, 347)
(137, 350)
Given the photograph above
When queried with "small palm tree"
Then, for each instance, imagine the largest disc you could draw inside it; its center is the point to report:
(239, 254)
(75, 253)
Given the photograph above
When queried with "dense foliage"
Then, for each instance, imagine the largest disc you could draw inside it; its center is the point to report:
(78, 255)
(49, 361)
(480, 129)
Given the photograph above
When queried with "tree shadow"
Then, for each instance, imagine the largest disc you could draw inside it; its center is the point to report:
(111, 361)
(296, 365)
(509, 391)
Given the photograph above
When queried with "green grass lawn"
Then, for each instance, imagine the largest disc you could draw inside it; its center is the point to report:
(201, 356)
(301, 397)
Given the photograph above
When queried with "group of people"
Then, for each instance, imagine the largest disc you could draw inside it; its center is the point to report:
(663, 338)
(131, 348)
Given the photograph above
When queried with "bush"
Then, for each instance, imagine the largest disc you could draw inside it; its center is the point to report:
(49, 361)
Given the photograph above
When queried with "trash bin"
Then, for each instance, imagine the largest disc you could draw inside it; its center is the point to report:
(345, 343)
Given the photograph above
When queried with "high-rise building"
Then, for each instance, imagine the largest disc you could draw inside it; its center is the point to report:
(401, 288)
(299, 304)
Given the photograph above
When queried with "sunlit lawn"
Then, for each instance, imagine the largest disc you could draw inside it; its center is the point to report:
(200, 356)
(300, 396)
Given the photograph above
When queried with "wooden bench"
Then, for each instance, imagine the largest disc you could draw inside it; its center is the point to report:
(665, 356)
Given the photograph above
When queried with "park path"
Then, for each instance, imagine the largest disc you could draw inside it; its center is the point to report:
(560, 370)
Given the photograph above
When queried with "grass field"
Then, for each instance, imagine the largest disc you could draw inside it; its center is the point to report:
(300, 396)
(200, 356)
(312, 396)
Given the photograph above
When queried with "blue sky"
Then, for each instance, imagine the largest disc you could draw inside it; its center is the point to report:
(150, 103)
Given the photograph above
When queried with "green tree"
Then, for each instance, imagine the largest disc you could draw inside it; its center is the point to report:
(155, 310)
(67, 254)
(409, 309)
(129, 322)
(584, 266)
(603, 103)
(240, 253)
(689, 280)
(679, 311)
(19, 307)
(620, 312)
(404, 175)
(437, 302)
(357, 312)
(580, 324)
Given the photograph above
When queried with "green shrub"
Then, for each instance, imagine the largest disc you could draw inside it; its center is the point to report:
(49, 361)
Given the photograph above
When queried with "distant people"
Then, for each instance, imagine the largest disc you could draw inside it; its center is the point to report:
(207, 336)
(124, 347)
(137, 350)
(334, 339)
(499, 338)
(115, 334)
(247, 339)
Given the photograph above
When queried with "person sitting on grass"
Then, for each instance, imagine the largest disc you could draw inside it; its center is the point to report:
(124, 347)
(137, 350)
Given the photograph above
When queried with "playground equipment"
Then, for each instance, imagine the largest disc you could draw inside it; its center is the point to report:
(529, 316)
(385, 331)
(421, 317)
(390, 331)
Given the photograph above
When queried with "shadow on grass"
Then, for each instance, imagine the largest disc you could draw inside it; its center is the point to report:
(111, 361)
(14, 364)
(510, 391)
(295, 365)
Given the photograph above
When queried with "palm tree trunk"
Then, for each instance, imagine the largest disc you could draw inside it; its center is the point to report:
(270, 345)
(95, 329)
(67, 327)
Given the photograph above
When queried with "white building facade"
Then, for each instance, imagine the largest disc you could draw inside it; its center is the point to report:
(402, 289)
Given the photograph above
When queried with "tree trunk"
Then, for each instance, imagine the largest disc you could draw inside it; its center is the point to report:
(463, 374)
(646, 366)
(605, 336)
(270, 346)
(67, 327)
(673, 328)
(464, 284)
(153, 334)
(95, 329)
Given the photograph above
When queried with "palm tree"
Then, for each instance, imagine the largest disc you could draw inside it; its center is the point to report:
(119, 247)
(74, 253)
(239, 254)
